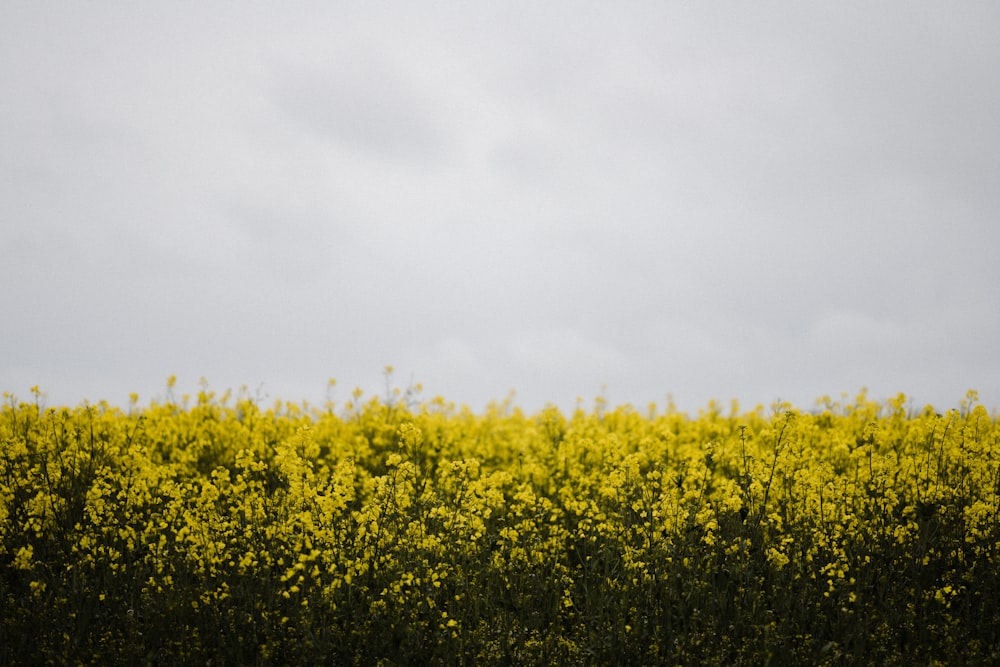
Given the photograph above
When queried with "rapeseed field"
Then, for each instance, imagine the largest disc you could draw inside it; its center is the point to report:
(392, 530)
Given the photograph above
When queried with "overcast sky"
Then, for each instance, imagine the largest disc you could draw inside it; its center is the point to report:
(720, 200)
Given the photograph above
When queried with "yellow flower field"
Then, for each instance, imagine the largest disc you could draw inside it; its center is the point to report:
(396, 531)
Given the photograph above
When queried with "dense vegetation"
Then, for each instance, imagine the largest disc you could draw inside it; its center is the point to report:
(402, 532)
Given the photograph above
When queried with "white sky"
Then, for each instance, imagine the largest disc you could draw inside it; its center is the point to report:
(710, 200)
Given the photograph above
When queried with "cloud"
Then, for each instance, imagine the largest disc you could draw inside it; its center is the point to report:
(776, 201)
(851, 329)
(450, 360)
(564, 352)
(363, 102)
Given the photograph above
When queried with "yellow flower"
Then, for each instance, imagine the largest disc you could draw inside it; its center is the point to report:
(776, 558)
(23, 559)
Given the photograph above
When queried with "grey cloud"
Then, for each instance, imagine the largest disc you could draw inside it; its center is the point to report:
(364, 102)
(778, 200)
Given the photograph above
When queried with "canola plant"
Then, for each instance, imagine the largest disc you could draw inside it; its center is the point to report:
(398, 532)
